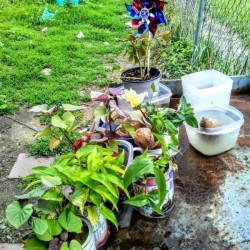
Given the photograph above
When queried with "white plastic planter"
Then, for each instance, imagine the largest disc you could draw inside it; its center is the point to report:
(213, 141)
(207, 88)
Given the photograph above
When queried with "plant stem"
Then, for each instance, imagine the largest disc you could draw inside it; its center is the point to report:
(65, 134)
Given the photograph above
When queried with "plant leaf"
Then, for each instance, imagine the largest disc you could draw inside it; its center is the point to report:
(16, 215)
(53, 194)
(50, 181)
(54, 227)
(138, 200)
(69, 107)
(100, 111)
(107, 195)
(39, 226)
(161, 186)
(33, 243)
(138, 167)
(39, 108)
(54, 142)
(68, 118)
(102, 98)
(75, 245)
(115, 91)
(37, 192)
(109, 215)
(70, 222)
(44, 132)
(92, 215)
(101, 178)
(58, 122)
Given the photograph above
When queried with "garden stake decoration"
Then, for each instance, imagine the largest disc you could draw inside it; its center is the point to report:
(146, 16)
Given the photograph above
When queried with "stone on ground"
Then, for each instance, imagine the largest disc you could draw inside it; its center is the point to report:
(24, 163)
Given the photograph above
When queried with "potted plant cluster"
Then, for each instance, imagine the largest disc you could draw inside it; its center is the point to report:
(145, 18)
(78, 191)
(154, 133)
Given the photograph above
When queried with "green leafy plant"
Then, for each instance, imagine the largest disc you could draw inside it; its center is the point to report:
(63, 124)
(75, 185)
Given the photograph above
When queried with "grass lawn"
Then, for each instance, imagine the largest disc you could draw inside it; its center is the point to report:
(74, 63)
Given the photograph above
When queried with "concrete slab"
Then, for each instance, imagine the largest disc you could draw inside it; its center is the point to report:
(6, 246)
(24, 163)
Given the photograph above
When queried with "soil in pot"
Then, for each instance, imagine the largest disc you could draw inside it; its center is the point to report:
(131, 79)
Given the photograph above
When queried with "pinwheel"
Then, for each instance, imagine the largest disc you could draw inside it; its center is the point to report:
(146, 15)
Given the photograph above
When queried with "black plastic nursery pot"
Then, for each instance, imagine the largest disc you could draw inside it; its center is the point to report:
(131, 80)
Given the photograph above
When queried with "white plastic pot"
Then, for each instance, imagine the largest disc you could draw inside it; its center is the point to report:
(213, 141)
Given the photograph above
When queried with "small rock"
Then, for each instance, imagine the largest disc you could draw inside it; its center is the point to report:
(80, 35)
(46, 71)
(209, 123)
(44, 30)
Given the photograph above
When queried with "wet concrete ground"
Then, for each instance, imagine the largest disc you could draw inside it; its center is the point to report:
(212, 195)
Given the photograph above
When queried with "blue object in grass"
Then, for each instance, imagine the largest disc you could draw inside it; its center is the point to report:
(46, 15)
(62, 2)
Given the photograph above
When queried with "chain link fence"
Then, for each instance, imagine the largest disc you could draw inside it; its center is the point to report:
(220, 32)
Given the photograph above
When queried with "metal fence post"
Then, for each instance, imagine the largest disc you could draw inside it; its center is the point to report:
(198, 28)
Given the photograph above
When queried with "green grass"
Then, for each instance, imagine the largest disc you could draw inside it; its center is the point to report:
(234, 15)
(74, 62)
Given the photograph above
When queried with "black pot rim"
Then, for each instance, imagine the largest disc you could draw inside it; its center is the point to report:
(135, 68)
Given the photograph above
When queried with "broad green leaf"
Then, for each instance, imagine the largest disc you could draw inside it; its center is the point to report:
(84, 151)
(45, 207)
(58, 122)
(37, 192)
(100, 111)
(45, 237)
(50, 181)
(138, 167)
(92, 161)
(115, 168)
(53, 194)
(44, 132)
(16, 215)
(79, 198)
(99, 177)
(161, 185)
(39, 226)
(92, 215)
(54, 227)
(64, 246)
(118, 182)
(52, 170)
(95, 198)
(119, 160)
(75, 245)
(113, 145)
(109, 215)
(54, 142)
(68, 118)
(170, 127)
(138, 200)
(70, 222)
(155, 206)
(75, 125)
(107, 195)
(33, 243)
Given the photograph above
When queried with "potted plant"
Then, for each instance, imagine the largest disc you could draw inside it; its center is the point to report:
(145, 15)
(76, 186)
